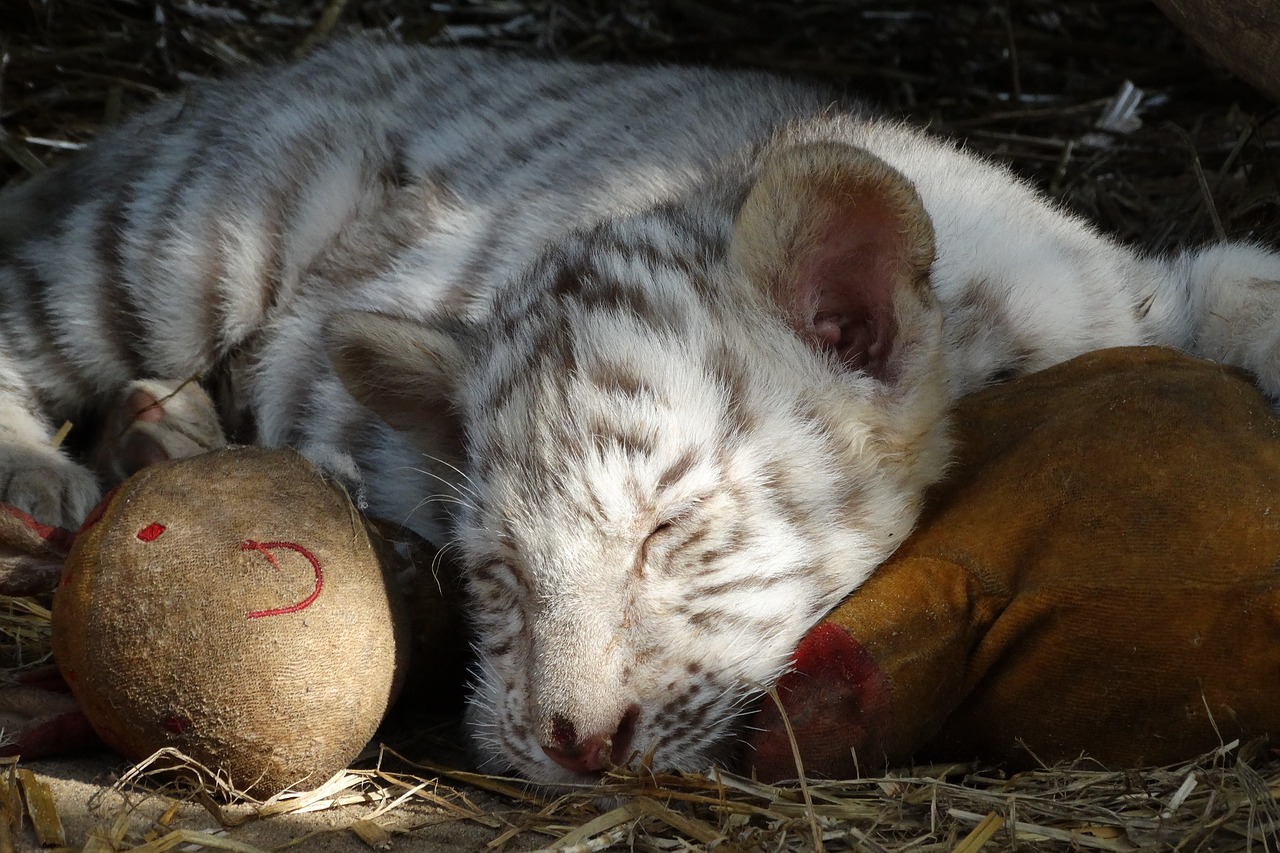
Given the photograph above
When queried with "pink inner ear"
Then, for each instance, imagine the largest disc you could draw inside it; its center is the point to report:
(846, 285)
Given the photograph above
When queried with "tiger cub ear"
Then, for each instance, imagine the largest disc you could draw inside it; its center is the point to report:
(841, 241)
(406, 371)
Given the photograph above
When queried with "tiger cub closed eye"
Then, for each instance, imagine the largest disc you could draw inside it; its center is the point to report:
(663, 355)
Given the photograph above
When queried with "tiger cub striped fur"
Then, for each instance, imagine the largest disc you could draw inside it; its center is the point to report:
(662, 355)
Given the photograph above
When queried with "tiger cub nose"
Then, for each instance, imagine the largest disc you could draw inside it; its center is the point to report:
(594, 753)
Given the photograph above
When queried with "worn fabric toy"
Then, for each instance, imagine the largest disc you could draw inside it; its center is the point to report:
(1241, 34)
(231, 605)
(1100, 574)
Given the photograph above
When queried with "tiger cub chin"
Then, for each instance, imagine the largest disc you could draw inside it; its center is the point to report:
(662, 355)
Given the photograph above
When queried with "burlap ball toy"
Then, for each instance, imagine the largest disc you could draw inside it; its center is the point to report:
(231, 605)
(1099, 574)
(1243, 35)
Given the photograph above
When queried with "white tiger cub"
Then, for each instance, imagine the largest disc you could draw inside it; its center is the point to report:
(660, 353)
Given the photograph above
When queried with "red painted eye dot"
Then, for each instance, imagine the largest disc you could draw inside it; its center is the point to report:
(151, 532)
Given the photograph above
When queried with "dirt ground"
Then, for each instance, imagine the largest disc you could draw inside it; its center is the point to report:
(1029, 81)
(84, 805)
(78, 783)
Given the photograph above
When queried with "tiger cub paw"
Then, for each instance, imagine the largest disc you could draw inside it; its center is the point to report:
(155, 420)
(43, 482)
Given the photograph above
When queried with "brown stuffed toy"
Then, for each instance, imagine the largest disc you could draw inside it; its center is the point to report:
(1099, 574)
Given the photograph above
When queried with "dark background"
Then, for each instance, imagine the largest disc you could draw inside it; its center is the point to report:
(1025, 80)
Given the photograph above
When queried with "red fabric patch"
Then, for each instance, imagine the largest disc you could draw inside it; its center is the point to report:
(152, 532)
(837, 701)
(57, 537)
(54, 736)
(46, 678)
(828, 650)
(178, 724)
(95, 514)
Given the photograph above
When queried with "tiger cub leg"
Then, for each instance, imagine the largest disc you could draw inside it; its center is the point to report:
(1235, 292)
(154, 420)
(35, 475)
(150, 421)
